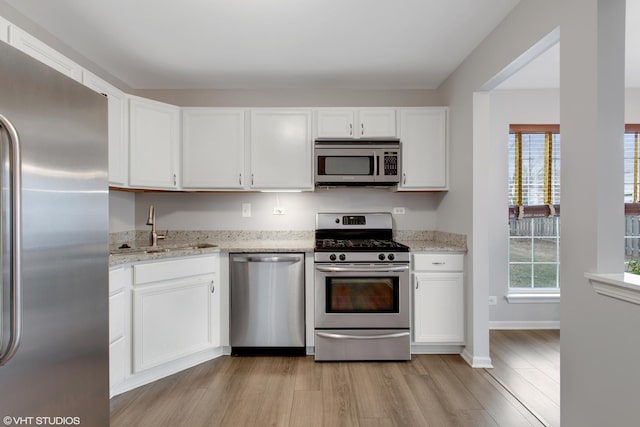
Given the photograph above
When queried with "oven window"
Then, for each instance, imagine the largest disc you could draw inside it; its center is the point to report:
(362, 295)
(345, 165)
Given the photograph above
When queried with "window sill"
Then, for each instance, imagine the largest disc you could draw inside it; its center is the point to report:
(622, 286)
(533, 298)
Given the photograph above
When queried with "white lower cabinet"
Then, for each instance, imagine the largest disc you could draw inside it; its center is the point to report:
(175, 310)
(438, 299)
(119, 325)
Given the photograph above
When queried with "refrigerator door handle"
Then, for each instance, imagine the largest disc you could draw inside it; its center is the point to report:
(16, 241)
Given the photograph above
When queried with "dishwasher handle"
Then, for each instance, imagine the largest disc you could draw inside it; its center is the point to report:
(283, 259)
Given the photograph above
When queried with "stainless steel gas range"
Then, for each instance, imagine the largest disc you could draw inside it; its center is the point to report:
(361, 289)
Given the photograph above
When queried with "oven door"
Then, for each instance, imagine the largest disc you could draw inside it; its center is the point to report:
(361, 296)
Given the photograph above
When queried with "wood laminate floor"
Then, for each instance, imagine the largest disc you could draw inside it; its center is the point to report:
(430, 390)
(528, 364)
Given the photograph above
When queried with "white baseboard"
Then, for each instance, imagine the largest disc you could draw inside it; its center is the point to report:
(476, 362)
(525, 324)
(153, 374)
(435, 349)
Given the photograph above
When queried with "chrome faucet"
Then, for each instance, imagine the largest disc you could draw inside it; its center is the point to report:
(151, 220)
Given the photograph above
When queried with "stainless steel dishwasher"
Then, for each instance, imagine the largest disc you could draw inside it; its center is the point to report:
(267, 303)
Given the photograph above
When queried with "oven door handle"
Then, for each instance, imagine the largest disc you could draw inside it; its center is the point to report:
(391, 269)
(362, 337)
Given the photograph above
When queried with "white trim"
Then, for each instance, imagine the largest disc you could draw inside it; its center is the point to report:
(525, 324)
(435, 349)
(622, 286)
(476, 362)
(533, 298)
(158, 372)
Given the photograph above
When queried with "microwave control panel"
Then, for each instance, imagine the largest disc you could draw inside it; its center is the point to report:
(390, 163)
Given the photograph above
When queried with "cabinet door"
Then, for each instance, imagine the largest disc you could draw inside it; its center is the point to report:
(438, 311)
(43, 53)
(212, 149)
(281, 150)
(118, 162)
(171, 321)
(423, 133)
(376, 123)
(153, 144)
(335, 123)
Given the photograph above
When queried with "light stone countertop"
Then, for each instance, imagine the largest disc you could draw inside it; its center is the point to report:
(183, 243)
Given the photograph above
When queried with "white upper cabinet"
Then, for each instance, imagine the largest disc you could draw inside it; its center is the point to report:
(43, 53)
(348, 123)
(281, 150)
(154, 140)
(423, 134)
(213, 149)
(118, 159)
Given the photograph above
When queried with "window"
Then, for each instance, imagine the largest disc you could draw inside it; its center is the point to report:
(632, 191)
(534, 208)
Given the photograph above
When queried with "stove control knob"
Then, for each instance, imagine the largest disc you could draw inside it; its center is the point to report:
(343, 257)
(332, 257)
(391, 257)
(381, 257)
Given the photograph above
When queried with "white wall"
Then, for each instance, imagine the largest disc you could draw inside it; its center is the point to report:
(599, 341)
(122, 207)
(528, 23)
(511, 107)
(223, 211)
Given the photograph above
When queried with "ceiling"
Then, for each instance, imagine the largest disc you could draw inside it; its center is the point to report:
(544, 71)
(266, 44)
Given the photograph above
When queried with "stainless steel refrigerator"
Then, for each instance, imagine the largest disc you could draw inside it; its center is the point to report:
(54, 247)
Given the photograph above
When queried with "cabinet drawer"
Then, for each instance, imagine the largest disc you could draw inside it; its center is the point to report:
(438, 262)
(119, 278)
(174, 269)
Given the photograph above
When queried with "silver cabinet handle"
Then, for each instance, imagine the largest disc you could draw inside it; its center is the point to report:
(404, 178)
(438, 263)
(350, 129)
(267, 259)
(362, 337)
(379, 269)
(251, 179)
(240, 179)
(362, 129)
(213, 286)
(16, 241)
(175, 182)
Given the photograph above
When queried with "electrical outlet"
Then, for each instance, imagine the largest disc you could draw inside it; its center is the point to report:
(398, 211)
(278, 211)
(246, 210)
(493, 300)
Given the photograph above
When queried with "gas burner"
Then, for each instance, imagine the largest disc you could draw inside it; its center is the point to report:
(357, 238)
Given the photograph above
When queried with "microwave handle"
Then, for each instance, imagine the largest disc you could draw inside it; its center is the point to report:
(376, 166)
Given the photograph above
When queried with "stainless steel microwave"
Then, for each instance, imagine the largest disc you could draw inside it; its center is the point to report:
(357, 162)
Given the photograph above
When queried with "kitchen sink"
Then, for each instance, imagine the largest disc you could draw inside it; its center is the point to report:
(161, 249)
